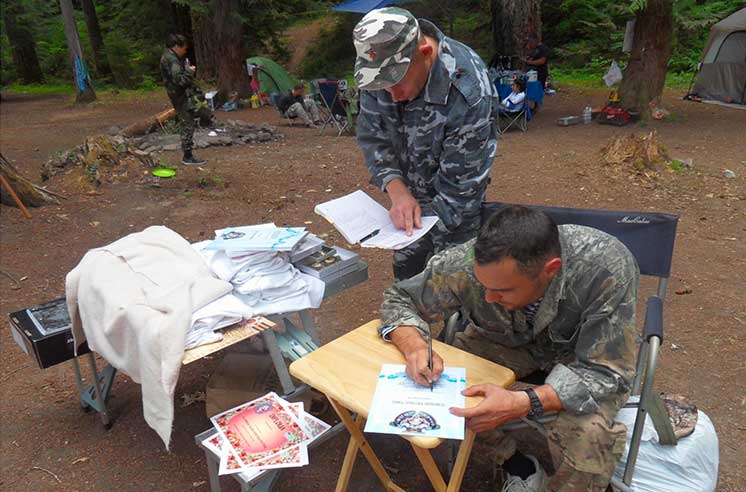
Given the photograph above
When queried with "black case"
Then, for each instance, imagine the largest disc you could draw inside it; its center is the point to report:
(44, 332)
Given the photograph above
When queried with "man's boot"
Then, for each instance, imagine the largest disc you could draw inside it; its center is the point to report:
(192, 160)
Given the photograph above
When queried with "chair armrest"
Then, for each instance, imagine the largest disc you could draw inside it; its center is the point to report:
(654, 318)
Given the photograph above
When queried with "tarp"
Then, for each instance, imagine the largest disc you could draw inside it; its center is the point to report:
(365, 6)
(721, 75)
(272, 77)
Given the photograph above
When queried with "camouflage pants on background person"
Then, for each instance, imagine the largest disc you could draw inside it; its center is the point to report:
(308, 112)
(409, 261)
(584, 450)
(187, 113)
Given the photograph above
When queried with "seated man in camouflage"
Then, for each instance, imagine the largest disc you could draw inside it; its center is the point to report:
(295, 105)
(534, 297)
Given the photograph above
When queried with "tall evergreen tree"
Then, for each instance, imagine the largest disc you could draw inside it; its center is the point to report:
(512, 21)
(645, 74)
(82, 78)
(23, 48)
(100, 59)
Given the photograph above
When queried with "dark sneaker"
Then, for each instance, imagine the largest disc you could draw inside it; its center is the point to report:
(192, 160)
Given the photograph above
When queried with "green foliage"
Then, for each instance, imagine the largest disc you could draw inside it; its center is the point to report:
(590, 33)
(332, 54)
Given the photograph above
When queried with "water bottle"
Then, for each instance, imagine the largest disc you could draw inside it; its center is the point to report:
(587, 112)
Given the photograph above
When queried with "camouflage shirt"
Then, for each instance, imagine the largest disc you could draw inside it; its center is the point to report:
(177, 77)
(583, 332)
(442, 143)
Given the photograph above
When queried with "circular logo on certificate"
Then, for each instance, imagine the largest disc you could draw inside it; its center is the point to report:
(414, 421)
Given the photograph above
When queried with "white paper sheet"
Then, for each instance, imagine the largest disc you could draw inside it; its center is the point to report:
(357, 216)
(401, 406)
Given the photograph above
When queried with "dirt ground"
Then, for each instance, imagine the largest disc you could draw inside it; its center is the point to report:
(47, 443)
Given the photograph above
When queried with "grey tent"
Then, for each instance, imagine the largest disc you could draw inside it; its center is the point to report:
(722, 69)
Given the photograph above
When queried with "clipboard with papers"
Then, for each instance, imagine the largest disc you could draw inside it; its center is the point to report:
(360, 219)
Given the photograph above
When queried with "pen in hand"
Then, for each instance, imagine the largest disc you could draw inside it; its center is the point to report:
(430, 359)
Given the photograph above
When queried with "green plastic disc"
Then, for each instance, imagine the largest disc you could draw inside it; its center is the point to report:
(164, 172)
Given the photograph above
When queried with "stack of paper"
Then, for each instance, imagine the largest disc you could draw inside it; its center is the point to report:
(263, 434)
(264, 237)
(361, 219)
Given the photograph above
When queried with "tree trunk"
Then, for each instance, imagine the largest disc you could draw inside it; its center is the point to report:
(645, 74)
(97, 41)
(512, 21)
(82, 78)
(23, 48)
(230, 36)
(29, 194)
(205, 46)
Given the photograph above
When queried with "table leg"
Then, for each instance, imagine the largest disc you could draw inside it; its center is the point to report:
(352, 448)
(269, 338)
(306, 321)
(431, 469)
(462, 459)
(370, 455)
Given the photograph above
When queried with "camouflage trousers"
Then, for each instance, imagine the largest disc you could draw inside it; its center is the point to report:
(187, 114)
(410, 261)
(578, 452)
(308, 112)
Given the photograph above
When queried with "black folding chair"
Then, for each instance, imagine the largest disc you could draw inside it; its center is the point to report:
(339, 110)
(274, 98)
(650, 238)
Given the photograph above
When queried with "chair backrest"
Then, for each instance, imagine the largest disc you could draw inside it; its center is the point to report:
(649, 236)
(330, 95)
(274, 98)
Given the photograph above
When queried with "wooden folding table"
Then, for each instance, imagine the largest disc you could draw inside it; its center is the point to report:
(346, 371)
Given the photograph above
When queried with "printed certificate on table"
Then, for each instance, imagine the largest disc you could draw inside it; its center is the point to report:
(401, 406)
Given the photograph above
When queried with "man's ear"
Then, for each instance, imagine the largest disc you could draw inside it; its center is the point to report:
(552, 266)
(425, 49)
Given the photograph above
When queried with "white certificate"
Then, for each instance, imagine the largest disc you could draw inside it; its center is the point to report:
(401, 406)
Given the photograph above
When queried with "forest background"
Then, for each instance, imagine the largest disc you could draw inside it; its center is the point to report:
(122, 40)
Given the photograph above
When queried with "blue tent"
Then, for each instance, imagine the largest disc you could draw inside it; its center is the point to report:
(365, 6)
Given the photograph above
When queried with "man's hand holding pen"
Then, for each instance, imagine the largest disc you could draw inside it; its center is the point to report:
(416, 352)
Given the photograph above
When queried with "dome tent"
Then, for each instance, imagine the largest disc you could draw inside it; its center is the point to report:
(721, 74)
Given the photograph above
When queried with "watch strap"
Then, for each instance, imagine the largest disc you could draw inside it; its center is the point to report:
(537, 409)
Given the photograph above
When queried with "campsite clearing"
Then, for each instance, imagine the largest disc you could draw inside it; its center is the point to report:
(49, 444)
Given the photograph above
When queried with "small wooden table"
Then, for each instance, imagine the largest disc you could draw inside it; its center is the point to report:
(346, 371)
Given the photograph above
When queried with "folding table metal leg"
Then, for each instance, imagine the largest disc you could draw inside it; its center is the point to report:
(278, 361)
(98, 402)
(306, 320)
(94, 396)
(212, 473)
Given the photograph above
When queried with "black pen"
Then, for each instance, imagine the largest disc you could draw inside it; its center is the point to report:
(430, 359)
(369, 236)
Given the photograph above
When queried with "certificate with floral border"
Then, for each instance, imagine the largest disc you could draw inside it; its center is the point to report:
(260, 429)
(228, 463)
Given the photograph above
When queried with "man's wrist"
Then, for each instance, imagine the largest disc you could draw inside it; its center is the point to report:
(407, 339)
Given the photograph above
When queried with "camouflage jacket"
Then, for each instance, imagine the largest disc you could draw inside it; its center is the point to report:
(584, 330)
(177, 78)
(442, 143)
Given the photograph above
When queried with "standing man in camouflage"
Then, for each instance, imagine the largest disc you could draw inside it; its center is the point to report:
(178, 77)
(426, 128)
(535, 297)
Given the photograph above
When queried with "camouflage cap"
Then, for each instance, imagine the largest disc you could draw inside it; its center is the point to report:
(385, 40)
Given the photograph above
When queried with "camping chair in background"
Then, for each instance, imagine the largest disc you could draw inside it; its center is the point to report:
(339, 111)
(519, 118)
(650, 238)
(274, 98)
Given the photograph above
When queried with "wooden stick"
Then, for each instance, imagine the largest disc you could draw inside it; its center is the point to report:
(15, 198)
